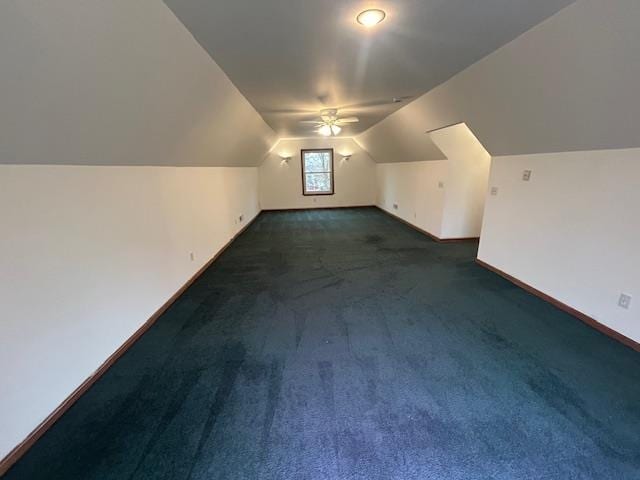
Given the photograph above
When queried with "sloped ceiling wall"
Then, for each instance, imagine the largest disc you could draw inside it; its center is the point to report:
(117, 83)
(293, 58)
(569, 84)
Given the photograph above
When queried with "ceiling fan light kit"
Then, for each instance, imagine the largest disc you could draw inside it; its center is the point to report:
(325, 130)
(330, 124)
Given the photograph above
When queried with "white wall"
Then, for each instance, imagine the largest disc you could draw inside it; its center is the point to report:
(466, 184)
(414, 188)
(443, 197)
(88, 253)
(117, 83)
(568, 84)
(281, 183)
(572, 232)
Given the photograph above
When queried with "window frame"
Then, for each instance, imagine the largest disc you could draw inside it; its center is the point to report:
(304, 174)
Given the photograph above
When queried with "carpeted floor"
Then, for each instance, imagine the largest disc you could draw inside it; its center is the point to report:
(341, 344)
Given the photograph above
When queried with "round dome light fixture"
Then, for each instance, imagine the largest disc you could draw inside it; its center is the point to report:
(372, 17)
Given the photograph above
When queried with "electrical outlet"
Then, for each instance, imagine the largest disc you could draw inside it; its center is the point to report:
(526, 175)
(192, 256)
(395, 206)
(440, 184)
(624, 301)
(494, 191)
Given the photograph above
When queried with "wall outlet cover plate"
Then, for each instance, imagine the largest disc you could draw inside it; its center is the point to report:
(624, 301)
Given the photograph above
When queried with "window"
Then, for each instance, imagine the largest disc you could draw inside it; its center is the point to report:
(317, 172)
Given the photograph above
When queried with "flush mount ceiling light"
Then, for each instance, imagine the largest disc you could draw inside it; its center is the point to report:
(371, 17)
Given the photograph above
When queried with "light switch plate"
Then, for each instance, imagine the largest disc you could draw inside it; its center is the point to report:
(526, 175)
(440, 184)
(494, 191)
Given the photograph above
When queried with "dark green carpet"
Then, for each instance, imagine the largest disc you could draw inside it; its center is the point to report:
(344, 345)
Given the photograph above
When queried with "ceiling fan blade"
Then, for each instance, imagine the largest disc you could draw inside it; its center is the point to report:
(348, 120)
(291, 111)
(377, 103)
(313, 122)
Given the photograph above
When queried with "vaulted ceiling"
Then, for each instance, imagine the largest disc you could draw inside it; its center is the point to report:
(568, 84)
(126, 83)
(292, 58)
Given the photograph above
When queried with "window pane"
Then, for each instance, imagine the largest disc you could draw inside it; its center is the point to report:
(318, 182)
(317, 162)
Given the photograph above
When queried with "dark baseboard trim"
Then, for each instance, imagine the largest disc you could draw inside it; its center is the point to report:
(429, 234)
(7, 462)
(301, 209)
(456, 240)
(592, 322)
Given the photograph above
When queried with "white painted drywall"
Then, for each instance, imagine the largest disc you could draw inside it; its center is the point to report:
(572, 231)
(414, 188)
(568, 84)
(444, 197)
(466, 186)
(281, 183)
(284, 54)
(117, 83)
(87, 255)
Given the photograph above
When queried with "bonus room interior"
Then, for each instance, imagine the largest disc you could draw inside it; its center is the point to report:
(326, 239)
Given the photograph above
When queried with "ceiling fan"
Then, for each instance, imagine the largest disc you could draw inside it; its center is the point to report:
(329, 123)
